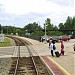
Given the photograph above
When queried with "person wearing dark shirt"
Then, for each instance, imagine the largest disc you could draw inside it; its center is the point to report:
(62, 48)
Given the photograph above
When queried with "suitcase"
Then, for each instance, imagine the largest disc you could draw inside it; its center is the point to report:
(57, 53)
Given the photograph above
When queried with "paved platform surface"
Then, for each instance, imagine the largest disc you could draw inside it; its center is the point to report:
(55, 69)
(6, 52)
(66, 62)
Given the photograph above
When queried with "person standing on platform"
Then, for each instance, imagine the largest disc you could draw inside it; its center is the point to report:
(51, 48)
(62, 48)
(49, 42)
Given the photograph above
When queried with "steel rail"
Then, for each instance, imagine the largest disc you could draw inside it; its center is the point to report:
(31, 55)
(18, 55)
(33, 60)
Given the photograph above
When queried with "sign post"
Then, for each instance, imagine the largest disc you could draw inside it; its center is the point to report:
(1, 37)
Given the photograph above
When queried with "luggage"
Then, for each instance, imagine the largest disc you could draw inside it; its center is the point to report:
(57, 53)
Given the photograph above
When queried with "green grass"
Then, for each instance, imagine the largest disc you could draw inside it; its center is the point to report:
(5, 43)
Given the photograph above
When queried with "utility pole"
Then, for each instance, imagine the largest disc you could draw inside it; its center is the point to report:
(45, 27)
(14, 29)
(2, 31)
(45, 33)
(7, 29)
(39, 26)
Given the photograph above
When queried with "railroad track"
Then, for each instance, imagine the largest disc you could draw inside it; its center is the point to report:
(26, 65)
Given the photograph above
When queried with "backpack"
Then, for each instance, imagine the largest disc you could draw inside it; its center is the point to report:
(54, 47)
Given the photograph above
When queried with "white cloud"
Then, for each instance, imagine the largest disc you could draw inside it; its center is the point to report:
(20, 6)
(56, 10)
(3, 18)
(26, 6)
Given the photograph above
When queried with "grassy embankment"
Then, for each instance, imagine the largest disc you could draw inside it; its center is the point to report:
(5, 43)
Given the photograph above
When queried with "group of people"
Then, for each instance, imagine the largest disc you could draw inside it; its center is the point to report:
(52, 48)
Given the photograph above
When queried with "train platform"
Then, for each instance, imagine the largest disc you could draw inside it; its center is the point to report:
(65, 63)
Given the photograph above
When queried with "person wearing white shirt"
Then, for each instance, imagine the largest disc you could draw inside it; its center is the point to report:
(51, 48)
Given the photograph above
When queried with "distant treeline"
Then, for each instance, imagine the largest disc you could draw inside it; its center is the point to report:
(35, 28)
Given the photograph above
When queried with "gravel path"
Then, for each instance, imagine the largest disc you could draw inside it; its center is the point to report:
(5, 64)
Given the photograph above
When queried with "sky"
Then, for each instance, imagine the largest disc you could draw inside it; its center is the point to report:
(19, 13)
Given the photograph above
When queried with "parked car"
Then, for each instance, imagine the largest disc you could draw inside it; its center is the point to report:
(72, 36)
(56, 38)
(64, 38)
(45, 38)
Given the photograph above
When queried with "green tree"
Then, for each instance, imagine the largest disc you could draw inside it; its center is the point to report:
(18, 31)
(49, 26)
(61, 26)
(73, 22)
(33, 28)
(55, 27)
(68, 25)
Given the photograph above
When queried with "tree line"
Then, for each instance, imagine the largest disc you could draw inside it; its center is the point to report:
(34, 28)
